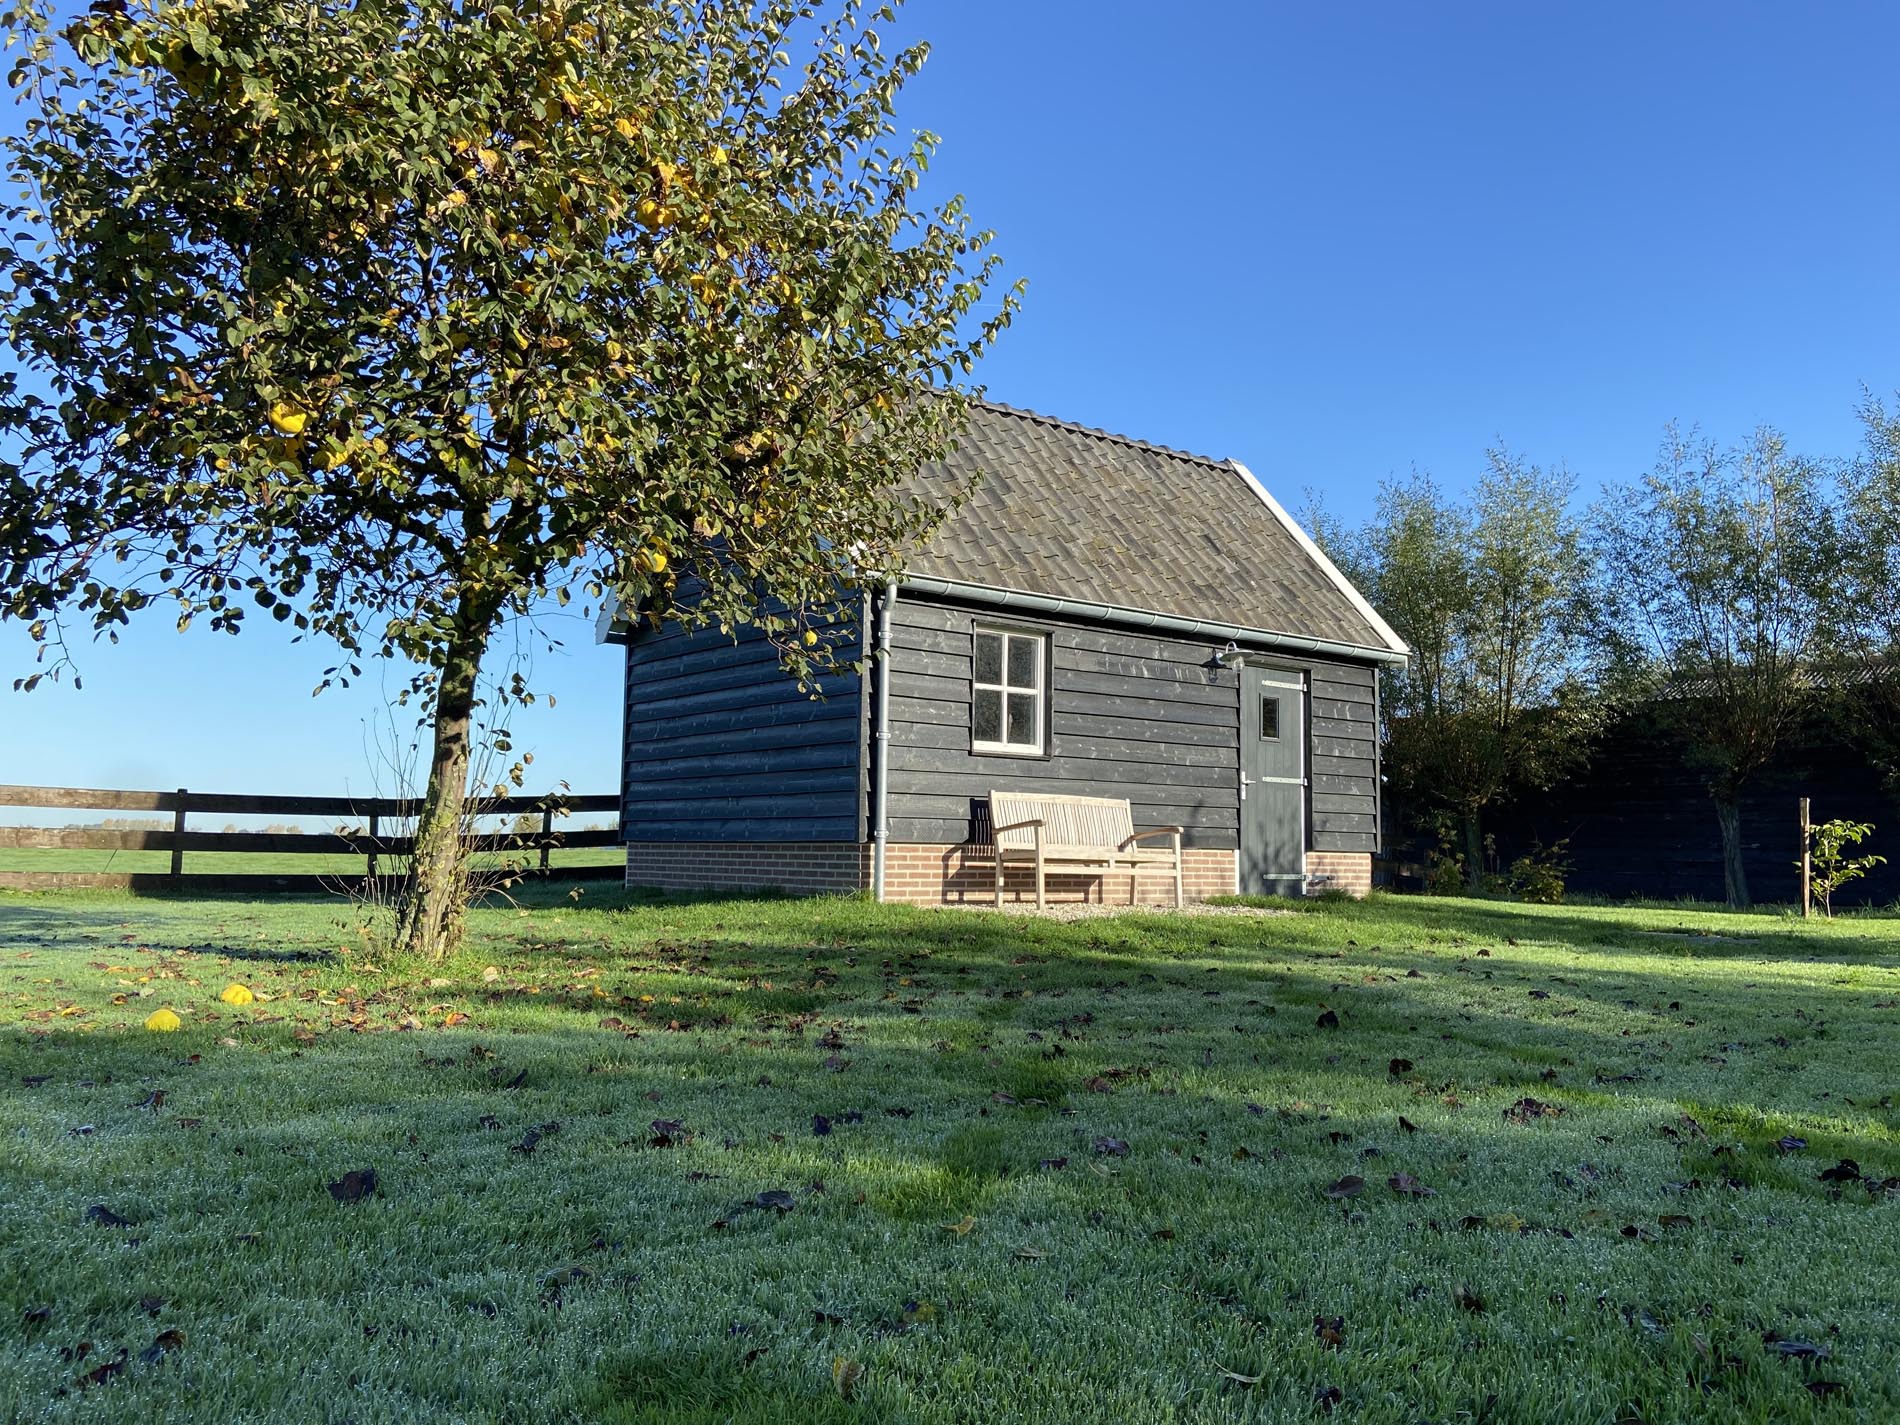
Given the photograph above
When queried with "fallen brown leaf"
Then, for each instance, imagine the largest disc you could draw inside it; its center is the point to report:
(354, 1186)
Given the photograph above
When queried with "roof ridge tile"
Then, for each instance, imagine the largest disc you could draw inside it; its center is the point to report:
(1057, 423)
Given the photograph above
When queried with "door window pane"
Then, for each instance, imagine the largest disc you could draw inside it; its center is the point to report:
(1269, 719)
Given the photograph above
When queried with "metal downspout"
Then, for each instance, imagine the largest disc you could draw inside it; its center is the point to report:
(881, 736)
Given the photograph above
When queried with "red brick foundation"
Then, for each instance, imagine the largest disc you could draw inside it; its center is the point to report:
(962, 875)
(802, 867)
(1348, 871)
(943, 875)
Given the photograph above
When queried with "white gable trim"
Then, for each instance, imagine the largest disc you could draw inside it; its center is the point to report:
(1326, 566)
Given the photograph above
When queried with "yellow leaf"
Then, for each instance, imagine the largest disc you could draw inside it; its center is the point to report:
(163, 1021)
(845, 1374)
(490, 975)
(238, 994)
(625, 128)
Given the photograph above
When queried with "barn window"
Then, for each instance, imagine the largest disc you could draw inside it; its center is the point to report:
(1269, 719)
(1007, 691)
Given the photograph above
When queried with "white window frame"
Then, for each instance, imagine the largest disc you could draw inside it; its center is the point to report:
(1004, 688)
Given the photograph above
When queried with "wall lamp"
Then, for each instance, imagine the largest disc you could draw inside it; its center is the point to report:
(1230, 656)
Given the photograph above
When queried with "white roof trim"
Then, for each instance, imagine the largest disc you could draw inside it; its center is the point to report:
(1326, 566)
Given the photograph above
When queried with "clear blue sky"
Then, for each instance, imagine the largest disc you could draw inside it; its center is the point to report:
(1331, 241)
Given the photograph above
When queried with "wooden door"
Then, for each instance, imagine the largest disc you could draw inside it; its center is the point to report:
(1273, 781)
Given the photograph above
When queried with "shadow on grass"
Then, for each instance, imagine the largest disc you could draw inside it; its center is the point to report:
(696, 1386)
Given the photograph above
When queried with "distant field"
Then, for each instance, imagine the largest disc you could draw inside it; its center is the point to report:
(243, 863)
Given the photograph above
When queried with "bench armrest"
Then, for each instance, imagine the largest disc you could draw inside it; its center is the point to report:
(1017, 826)
(1152, 831)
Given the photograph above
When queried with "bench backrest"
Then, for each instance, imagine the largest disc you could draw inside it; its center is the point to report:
(1067, 821)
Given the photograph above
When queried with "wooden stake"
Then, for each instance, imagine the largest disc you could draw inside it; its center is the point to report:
(1807, 861)
(178, 830)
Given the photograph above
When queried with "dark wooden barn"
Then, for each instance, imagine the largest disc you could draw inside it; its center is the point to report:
(1639, 822)
(1102, 619)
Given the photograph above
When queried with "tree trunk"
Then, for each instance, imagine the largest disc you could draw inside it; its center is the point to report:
(431, 918)
(1474, 852)
(1728, 815)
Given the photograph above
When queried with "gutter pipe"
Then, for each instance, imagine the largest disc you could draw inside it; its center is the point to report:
(1144, 618)
(881, 741)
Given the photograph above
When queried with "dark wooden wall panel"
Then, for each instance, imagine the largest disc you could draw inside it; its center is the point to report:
(722, 746)
(1344, 769)
(1132, 716)
(1639, 820)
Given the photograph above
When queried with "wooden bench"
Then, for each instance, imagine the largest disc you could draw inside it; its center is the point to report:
(1086, 834)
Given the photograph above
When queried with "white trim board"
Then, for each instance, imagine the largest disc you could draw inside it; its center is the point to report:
(1326, 566)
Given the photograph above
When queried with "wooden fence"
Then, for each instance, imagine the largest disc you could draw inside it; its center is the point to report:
(370, 842)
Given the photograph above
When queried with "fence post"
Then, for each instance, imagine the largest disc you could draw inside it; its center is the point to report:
(1807, 861)
(374, 832)
(178, 830)
(547, 833)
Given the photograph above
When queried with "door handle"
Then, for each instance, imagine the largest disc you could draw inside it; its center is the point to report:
(1245, 782)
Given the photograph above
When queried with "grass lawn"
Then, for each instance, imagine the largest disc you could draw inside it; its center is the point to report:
(824, 1161)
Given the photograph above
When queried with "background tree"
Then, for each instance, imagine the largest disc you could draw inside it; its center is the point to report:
(1865, 621)
(1492, 596)
(394, 321)
(1718, 568)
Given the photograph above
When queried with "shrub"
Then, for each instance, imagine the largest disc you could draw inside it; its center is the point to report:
(1832, 867)
(1538, 876)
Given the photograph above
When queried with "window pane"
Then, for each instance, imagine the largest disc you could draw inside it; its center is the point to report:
(1022, 662)
(1269, 719)
(987, 716)
(1022, 720)
(989, 658)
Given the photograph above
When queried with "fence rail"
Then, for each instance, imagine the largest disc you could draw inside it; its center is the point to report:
(366, 838)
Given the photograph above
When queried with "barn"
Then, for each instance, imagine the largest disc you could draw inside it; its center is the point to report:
(1109, 637)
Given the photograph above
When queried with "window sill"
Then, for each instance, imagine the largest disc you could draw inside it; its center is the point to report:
(997, 749)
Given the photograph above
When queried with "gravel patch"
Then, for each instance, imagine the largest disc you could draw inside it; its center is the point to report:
(1078, 910)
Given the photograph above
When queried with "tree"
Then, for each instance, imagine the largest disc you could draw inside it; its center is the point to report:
(1865, 623)
(1491, 594)
(395, 321)
(1719, 567)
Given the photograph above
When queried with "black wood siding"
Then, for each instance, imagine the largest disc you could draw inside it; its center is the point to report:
(1344, 769)
(1639, 820)
(1133, 715)
(722, 746)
